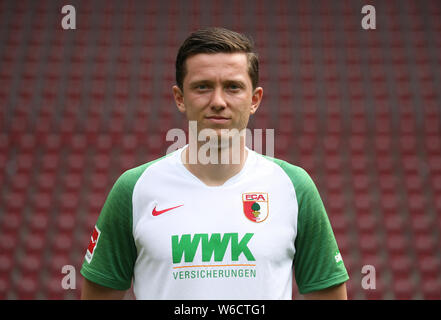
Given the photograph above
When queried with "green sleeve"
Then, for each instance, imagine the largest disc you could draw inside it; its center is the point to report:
(115, 252)
(317, 261)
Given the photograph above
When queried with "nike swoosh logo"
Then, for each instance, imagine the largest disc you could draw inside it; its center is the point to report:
(157, 213)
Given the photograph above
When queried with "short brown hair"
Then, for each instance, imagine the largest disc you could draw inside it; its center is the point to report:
(216, 40)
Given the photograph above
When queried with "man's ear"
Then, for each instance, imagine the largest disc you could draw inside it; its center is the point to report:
(256, 99)
(179, 98)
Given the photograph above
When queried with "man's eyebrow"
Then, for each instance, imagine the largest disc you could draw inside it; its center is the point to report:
(236, 82)
(198, 82)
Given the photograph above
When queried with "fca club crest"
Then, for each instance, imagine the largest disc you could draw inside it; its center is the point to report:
(255, 206)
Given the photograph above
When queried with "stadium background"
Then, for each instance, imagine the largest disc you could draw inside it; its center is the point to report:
(359, 110)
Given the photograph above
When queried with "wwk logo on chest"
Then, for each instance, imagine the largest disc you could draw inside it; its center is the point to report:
(212, 246)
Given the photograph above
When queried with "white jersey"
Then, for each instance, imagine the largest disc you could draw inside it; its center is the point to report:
(178, 238)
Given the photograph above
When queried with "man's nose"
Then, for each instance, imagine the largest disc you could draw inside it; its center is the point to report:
(218, 100)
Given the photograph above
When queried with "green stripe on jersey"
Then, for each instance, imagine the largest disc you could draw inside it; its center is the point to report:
(115, 253)
(315, 264)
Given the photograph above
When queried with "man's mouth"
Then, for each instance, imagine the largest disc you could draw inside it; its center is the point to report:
(217, 119)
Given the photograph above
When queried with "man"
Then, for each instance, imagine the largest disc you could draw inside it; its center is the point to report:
(182, 227)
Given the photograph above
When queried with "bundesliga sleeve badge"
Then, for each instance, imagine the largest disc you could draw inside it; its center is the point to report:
(92, 244)
(255, 206)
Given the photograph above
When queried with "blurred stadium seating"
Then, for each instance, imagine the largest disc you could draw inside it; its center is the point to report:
(359, 110)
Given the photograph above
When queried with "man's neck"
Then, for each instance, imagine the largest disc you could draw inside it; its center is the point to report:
(216, 174)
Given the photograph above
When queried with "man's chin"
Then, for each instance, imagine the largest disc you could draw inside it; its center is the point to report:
(223, 136)
(229, 138)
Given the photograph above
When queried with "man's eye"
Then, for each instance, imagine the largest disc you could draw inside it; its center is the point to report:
(233, 87)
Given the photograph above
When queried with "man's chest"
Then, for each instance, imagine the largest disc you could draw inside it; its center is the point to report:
(241, 226)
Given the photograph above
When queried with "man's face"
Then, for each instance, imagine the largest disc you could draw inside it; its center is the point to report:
(218, 92)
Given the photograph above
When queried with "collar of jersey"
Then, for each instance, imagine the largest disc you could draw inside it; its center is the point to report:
(251, 158)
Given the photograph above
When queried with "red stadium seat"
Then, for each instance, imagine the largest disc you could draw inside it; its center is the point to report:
(431, 288)
(358, 164)
(35, 243)
(416, 204)
(404, 289)
(53, 289)
(72, 182)
(11, 221)
(46, 181)
(389, 203)
(384, 164)
(414, 183)
(333, 166)
(76, 163)
(30, 264)
(357, 144)
(20, 183)
(98, 182)
(26, 287)
(50, 162)
(363, 204)
(360, 183)
(39, 223)
(9, 241)
(421, 224)
(429, 265)
(69, 202)
(433, 145)
(367, 223)
(66, 222)
(7, 264)
(397, 244)
(335, 201)
(434, 164)
(369, 243)
(401, 265)
(307, 143)
(382, 141)
(62, 242)
(394, 223)
(42, 201)
(5, 287)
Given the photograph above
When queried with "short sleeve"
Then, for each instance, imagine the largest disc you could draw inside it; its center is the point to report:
(318, 263)
(111, 254)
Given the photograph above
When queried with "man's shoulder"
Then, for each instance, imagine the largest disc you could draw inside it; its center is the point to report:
(293, 171)
(131, 176)
(299, 177)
